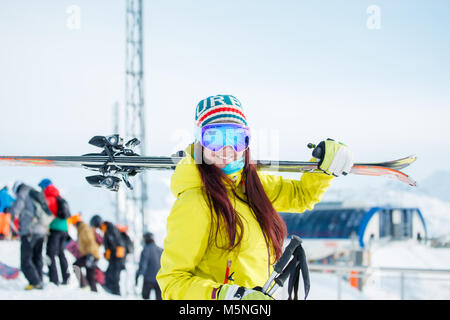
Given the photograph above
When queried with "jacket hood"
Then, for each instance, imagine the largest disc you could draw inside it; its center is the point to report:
(187, 175)
(23, 191)
(51, 191)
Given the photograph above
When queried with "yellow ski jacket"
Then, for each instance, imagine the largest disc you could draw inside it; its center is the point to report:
(192, 263)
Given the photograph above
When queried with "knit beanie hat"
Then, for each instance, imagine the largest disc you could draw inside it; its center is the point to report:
(219, 108)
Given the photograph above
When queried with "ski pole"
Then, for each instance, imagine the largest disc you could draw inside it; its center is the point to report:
(279, 281)
(284, 259)
(294, 266)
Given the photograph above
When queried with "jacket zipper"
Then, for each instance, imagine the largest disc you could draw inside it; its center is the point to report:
(227, 272)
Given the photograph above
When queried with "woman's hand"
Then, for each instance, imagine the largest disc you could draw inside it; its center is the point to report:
(335, 158)
(235, 292)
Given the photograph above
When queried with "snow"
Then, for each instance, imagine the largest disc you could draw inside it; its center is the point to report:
(14, 289)
(324, 286)
(410, 254)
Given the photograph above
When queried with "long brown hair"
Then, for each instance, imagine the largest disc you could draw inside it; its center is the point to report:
(215, 181)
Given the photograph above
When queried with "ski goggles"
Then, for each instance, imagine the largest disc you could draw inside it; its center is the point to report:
(219, 135)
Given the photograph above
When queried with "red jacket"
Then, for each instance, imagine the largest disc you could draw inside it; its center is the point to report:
(51, 193)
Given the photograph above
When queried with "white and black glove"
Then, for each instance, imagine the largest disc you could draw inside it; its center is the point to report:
(335, 158)
(235, 292)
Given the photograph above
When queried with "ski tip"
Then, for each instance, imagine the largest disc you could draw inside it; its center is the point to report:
(410, 181)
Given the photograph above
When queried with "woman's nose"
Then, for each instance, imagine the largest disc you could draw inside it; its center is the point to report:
(227, 150)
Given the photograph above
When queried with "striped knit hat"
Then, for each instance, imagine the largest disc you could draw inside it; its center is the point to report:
(219, 108)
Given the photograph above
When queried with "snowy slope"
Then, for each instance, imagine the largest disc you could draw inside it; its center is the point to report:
(14, 289)
(323, 285)
(437, 185)
(410, 254)
(435, 209)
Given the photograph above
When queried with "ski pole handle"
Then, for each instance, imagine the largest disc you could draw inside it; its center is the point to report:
(284, 259)
(281, 279)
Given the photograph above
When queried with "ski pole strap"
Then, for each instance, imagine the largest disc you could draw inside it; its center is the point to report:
(294, 270)
(281, 263)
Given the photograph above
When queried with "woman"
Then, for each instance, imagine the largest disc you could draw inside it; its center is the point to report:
(224, 232)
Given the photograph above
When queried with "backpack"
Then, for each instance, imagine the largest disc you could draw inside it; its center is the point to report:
(63, 211)
(38, 198)
(129, 246)
(43, 214)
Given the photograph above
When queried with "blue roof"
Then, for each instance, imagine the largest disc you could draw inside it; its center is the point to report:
(335, 223)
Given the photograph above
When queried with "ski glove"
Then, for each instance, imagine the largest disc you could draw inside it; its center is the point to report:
(335, 158)
(235, 292)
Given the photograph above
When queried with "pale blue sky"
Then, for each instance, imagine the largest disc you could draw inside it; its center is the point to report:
(307, 70)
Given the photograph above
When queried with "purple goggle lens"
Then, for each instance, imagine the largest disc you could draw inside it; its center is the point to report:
(217, 136)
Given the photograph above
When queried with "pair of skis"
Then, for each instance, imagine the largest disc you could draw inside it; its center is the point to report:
(117, 162)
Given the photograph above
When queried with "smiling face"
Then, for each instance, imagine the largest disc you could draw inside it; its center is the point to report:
(222, 157)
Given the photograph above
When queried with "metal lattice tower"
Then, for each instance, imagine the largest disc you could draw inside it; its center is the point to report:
(135, 110)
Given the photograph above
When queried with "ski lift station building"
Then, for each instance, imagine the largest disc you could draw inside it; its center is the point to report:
(336, 227)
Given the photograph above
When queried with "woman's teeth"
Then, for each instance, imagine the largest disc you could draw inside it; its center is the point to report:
(226, 158)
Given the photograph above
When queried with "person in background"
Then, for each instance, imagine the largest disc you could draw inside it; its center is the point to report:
(114, 253)
(58, 234)
(34, 216)
(129, 245)
(89, 250)
(149, 266)
(6, 199)
(5, 217)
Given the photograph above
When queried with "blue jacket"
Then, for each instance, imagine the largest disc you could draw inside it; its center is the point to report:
(5, 200)
(149, 263)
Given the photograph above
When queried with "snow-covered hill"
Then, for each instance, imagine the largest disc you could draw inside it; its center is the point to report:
(417, 285)
(437, 185)
(14, 289)
(324, 286)
(435, 211)
(433, 203)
